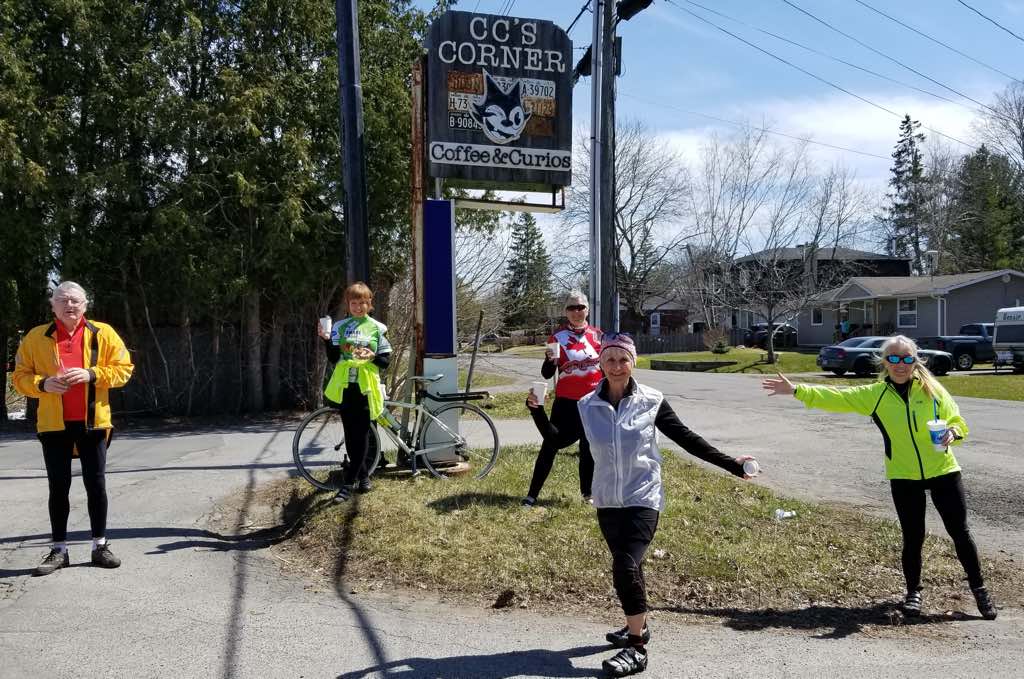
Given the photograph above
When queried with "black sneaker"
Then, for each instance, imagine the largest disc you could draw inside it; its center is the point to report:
(344, 493)
(54, 560)
(912, 604)
(620, 638)
(364, 486)
(529, 501)
(104, 558)
(985, 605)
(632, 660)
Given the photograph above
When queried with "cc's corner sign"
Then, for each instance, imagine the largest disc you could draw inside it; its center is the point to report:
(499, 99)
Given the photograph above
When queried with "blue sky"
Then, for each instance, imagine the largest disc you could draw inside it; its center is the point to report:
(673, 63)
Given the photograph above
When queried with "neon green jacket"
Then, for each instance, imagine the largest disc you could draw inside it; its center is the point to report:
(909, 453)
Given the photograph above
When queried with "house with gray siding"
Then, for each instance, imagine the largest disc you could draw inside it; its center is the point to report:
(916, 306)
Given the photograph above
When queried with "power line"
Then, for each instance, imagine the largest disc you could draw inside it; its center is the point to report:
(937, 41)
(767, 130)
(885, 56)
(813, 75)
(829, 56)
(990, 19)
(584, 8)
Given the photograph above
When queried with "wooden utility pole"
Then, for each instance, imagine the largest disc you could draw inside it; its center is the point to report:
(350, 88)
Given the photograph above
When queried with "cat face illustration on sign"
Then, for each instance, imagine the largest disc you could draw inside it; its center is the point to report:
(500, 114)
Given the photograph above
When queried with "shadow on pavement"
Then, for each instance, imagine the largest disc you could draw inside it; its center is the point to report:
(536, 662)
(833, 622)
(365, 625)
(463, 500)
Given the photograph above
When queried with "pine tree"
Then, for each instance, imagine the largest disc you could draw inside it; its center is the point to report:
(904, 216)
(527, 287)
(989, 209)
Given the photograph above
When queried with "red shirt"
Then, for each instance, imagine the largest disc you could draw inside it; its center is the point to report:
(579, 370)
(70, 349)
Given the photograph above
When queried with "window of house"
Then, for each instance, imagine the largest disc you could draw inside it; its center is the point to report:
(656, 319)
(816, 316)
(906, 316)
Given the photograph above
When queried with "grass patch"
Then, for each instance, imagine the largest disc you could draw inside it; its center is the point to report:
(1003, 386)
(484, 379)
(718, 545)
(748, 360)
(13, 400)
(508, 405)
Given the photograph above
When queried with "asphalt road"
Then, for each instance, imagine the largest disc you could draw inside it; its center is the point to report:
(196, 600)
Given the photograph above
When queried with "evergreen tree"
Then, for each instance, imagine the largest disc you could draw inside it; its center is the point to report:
(527, 288)
(904, 216)
(987, 231)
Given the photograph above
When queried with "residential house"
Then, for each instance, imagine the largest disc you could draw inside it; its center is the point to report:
(827, 264)
(916, 306)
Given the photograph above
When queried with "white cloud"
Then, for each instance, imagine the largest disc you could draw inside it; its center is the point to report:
(839, 121)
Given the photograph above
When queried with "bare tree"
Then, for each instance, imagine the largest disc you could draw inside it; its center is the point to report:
(1001, 126)
(764, 202)
(651, 187)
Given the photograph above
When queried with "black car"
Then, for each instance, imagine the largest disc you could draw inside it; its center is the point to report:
(859, 355)
(757, 335)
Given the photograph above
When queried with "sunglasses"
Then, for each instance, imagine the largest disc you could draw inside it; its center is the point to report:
(895, 360)
(616, 335)
(575, 307)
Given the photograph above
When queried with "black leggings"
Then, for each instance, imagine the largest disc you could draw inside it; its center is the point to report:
(948, 498)
(355, 420)
(628, 532)
(92, 451)
(565, 417)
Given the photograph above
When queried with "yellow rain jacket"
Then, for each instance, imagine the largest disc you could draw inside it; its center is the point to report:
(103, 355)
(909, 453)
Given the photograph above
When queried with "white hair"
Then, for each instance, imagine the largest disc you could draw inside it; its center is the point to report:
(69, 286)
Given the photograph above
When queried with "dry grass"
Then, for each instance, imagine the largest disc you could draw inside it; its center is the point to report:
(718, 547)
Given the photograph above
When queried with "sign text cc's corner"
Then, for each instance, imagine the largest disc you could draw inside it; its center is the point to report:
(499, 100)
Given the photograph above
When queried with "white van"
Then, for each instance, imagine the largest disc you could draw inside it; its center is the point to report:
(1008, 337)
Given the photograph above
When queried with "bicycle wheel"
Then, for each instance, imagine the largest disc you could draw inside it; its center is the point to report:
(459, 435)
(319, 449)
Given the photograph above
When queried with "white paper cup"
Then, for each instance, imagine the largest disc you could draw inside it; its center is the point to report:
(751, 468)
(325, 325)
(540, 390)
(554, 348)
(938, 429)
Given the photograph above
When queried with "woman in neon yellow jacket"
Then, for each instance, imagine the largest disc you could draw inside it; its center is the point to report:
(901, 403)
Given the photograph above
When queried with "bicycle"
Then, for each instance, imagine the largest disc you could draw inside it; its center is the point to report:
(467, 443)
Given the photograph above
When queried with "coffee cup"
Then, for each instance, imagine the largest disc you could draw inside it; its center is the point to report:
(751, 467)
(540, 390)
(554, 348)
(938, 429)
(325, 325)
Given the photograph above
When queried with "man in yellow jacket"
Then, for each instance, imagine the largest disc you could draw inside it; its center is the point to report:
(70, 365)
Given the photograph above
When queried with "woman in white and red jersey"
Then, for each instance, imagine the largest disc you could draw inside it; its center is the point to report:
(579, 371)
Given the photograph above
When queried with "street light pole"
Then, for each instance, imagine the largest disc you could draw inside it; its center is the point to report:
(353, 157)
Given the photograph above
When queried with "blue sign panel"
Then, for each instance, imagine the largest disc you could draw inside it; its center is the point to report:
(438, 278)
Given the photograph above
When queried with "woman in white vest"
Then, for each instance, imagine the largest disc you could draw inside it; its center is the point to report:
(621, 419)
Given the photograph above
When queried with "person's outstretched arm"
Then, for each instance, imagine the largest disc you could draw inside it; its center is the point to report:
(861, 399)
(669, 424)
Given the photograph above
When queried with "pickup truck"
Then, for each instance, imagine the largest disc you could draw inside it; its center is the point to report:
(972, 345)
